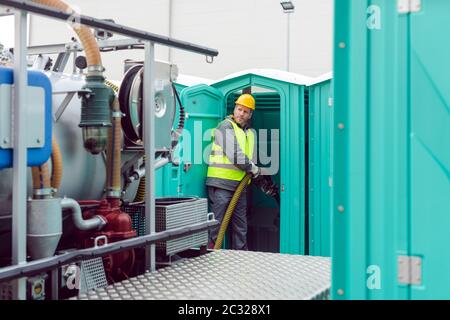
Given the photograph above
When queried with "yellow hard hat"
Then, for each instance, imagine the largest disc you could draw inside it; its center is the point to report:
(246, 100)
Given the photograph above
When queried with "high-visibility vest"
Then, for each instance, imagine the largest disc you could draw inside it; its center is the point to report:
(220, 166)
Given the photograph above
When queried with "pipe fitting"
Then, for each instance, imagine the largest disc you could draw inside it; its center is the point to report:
(139, 173)
(42, 193)
(95, 70)
(96, 222)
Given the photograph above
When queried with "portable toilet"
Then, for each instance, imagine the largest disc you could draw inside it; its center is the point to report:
(319, 175)
(280, 110)
(391, 151)
(168, 177)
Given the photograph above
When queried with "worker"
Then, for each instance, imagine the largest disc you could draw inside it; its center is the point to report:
(233, 155)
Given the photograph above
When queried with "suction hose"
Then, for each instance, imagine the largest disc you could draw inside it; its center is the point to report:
(228, 214)
(84, 33)
(41, 182)
(140, 193)
(57, 164)
(96, 96)
(114, 149)
(44, 185)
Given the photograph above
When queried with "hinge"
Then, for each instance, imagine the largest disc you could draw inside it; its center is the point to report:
(330, 102)
(409, 6)
(409, 270)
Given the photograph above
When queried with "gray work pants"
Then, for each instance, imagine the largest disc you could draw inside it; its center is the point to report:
(219, 200)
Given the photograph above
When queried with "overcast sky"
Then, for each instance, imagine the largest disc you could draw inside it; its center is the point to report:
(7, 34)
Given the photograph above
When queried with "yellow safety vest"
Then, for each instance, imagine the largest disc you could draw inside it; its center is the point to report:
(220, 166)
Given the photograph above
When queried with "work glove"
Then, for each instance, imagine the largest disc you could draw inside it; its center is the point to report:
(270, 189)
(255, 171)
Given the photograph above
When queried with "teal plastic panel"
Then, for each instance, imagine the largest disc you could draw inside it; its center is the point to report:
(371, 134)
(205, 107)
(429, 147)
(320, 175)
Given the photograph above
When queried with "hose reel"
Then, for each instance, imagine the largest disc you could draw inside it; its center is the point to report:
(131, 105)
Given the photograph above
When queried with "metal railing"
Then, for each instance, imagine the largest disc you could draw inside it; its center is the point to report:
(19, 217)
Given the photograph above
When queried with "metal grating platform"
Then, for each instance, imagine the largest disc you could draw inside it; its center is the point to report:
(93, 275)
(228, 275)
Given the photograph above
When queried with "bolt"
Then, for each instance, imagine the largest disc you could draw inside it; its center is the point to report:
(341, 208)
(340, 292)
(38, 140)
(342, 45)
(341, 126)
(5, 141)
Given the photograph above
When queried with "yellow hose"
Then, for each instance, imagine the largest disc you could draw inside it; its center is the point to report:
(41, 177)
(57, 164)
(41, 174)
(140, 193)
(114, 145)
(84, 33)
(230, 210)
(113, 150)
(112, 86)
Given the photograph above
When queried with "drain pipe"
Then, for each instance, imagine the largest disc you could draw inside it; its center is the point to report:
(95, 223)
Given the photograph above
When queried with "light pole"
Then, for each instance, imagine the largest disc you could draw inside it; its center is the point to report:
(288, 8)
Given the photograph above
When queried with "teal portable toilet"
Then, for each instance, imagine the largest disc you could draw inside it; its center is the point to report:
(280, 100)
(319, 157)
(391, 150)
(169, 178)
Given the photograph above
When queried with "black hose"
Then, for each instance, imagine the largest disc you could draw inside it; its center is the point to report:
(181, 120)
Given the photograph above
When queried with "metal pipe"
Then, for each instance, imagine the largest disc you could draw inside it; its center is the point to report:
(96, 222)
(110, 26)
(41, 265)
(149, 145)
(139, 173)
(19, 217)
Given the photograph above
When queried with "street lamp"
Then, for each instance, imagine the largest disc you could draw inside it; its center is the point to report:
(288, 8)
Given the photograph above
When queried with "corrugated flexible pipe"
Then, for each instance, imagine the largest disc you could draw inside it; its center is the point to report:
(114, 152)
(57, 164)
(140, 194)
(41, 181)
(44, 185)
(88, 40)
(229, 213)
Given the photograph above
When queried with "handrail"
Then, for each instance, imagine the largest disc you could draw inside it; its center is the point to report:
(106, 25)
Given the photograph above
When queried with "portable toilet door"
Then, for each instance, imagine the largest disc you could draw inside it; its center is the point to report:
(391, 151)
(319, 104)
(204, 107)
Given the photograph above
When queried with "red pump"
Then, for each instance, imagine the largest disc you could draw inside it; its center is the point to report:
(118, 266)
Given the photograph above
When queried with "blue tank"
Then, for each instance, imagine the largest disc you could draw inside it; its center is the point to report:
(39, 155)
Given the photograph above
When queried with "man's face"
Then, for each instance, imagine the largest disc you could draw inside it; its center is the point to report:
(242, 114)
